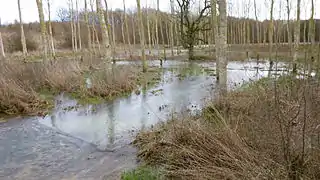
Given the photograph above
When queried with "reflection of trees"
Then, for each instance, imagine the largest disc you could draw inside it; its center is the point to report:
(111, 122)
(143, 107)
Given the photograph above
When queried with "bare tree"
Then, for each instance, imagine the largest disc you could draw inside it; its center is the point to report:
(23, 38)
(43, 29)
(191, 24)
(50, 30)
(104, 31)
(222, 55)
(142, 39)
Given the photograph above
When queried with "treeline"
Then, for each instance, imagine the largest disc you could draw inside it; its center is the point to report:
(156, 26)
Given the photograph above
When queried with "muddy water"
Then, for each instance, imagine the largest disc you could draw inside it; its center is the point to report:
(92, 142)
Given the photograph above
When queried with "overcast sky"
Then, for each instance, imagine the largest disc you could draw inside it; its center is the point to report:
(9, 9)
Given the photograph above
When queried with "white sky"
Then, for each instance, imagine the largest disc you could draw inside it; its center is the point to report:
(9, 9)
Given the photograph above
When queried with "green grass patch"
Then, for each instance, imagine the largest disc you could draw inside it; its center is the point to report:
(142, 173)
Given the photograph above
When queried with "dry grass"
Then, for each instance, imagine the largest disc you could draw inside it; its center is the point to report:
(252, 134)
(22, 84)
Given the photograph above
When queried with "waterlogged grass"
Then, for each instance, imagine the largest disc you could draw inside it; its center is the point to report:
(142, 173)
(149, 79)
(29, 88)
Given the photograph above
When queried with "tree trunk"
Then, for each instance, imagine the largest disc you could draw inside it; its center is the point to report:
(104, 31)
(157, 32)
(43, 29)
(142, 39)
(122, 29)
(214, 30)
(257, 22)
(312, 25)
(148, 29)
(296, 38)
(271, 37)
(126, 26)
(311, 38)
(162, 39)
(94, 31)
(2, 47)
(222, 58)
(74, 26)
(288, 28)
(171, 27)
(78, 24)
(87, 24)
(133, 29)
(23, 38)
(73, 30)
(50, 31)
(113, 38)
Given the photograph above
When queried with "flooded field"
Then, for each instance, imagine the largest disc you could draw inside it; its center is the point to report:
(93, 141)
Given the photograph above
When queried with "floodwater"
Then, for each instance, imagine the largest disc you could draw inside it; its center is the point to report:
(93, 141)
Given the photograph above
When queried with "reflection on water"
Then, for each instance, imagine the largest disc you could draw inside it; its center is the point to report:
(108, 126)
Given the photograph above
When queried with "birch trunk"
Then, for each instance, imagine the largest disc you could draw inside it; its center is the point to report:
(271, 31)
(23, 38)
(52, 49)
(296, 38)
(142, 39)
(312, 25)
(126, 26)
(214, 30)
(74, 26)
(122, 29)
(148, 29)
(157, 32)
(87, 24)
(133, 29)
(104, 31)
(78, 25)
(311, 35)
(257, 22)
(222, 57)
(113, 38)
(43, 29)
(2, 47)
(71, 26)
(171, 27)
(288, 27)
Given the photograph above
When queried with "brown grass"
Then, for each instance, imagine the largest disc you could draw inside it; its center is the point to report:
(252, 134)
(23, 83)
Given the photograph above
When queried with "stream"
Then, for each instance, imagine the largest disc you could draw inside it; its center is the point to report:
(93, 141)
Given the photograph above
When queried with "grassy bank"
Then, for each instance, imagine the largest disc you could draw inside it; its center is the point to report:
(269, 130)
(29, 88)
